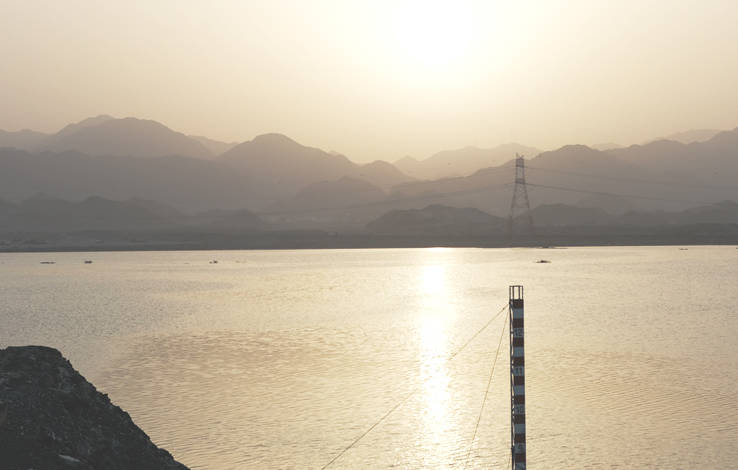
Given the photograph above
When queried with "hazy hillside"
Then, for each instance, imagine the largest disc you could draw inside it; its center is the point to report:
(339, 193)
(230, 220)
(24, 140)
(410, 166)
(75, 127)
(44, 213)
(436, 220)
(215, 147)
(462, 162)
(282, 167)
(562, 214)
(710, 163)
(107, 136)
(188, 184)
(694, 135)
(490, 189)
(383, 174)
(724, 212)
(663, 175)
(274, 173)
(257, 175)
(606, 146)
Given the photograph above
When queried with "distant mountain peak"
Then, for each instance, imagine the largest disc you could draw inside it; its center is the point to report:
(462, 161)
(274, 138)
(436, 219)
(105, 135)
(578, 148)
(89, 122)
(603, 146)
(378, 163)
(690, 136)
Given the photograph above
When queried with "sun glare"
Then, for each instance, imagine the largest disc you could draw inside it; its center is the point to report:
(430, 36)
(435, 318)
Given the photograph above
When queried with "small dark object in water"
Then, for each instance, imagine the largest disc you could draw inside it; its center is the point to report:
(48, 262)
(683, 249)
(215, 261)
(543, 261)
(88, 261)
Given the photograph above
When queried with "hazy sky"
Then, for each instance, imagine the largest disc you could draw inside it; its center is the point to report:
(376, 79)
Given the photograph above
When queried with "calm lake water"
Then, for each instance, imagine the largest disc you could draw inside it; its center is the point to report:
(280, 359)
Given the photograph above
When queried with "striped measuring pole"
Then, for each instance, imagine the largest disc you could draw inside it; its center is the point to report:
(517, 379)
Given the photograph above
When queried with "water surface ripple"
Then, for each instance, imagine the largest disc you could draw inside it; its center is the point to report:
(280, 359)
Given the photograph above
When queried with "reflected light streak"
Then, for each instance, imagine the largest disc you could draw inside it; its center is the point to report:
(436, 311)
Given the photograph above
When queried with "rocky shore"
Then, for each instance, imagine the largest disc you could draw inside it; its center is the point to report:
(52, 418)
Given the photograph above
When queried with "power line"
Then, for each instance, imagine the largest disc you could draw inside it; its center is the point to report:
(604, 193)
(632, 180)
(412, 392)
(388, 201)
(442, 195)
(486, 392)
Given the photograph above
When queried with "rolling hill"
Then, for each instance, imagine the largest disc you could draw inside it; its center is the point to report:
(462, 162)
(23, 140)
(44, 213)
(188, 184)
(279, 167)
(106, 136)
(436, 219)
(343, 192)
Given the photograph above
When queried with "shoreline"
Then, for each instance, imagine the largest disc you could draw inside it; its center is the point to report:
(354, 244)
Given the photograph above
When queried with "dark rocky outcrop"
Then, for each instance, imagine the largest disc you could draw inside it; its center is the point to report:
(52, 418)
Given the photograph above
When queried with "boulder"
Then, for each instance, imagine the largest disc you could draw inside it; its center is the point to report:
(52, 418)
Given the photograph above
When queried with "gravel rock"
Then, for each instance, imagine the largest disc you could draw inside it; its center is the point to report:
(52, 418)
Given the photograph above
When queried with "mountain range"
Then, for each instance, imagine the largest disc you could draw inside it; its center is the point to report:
(124, 158)
(107, 136)
(462, 162)
(664, 175)
(43, 213)
(299, 186)
(438, 219)
(692, 135)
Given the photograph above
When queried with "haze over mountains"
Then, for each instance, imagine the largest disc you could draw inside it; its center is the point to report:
(42, 213)
(296, 186)
(659, 175)
(105, 135)
(693, 135)
(123, 158)
(438, 219)
(462, 162)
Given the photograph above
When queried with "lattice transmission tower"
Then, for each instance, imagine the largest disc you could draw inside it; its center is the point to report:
(519, 198)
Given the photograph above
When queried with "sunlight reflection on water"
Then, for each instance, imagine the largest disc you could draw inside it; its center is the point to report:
(435, 315)
(272, 360)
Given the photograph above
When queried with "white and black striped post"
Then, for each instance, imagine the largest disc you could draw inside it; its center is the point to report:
(517, 379)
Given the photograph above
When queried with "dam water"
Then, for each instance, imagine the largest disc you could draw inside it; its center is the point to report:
(280, 359)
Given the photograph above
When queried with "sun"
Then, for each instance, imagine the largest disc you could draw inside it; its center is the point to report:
(432, 35)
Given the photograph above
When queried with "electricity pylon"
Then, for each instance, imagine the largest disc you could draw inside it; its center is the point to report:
(519, 198)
